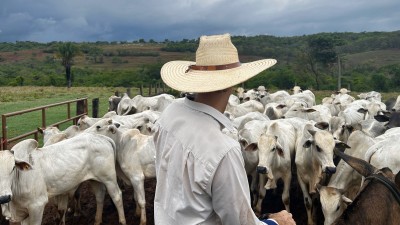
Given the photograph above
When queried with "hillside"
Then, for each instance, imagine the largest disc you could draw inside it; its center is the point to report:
(372, 54)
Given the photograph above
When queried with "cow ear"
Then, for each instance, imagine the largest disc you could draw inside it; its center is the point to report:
(312, 132)
(243, 143)
(341, 146)
(280, 106)
(251, 147)
(322, 125)
(319, 186)
(382, 118)
(362, 110)
(307, 144)
(22, 165)
(308, 110)
(280, 152)
(346, 200)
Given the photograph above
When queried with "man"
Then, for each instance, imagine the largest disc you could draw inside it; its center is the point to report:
(200, 171)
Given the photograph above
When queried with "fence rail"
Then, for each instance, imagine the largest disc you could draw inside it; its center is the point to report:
(81, 109)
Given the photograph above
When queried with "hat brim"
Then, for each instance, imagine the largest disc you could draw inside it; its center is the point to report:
(176, 76)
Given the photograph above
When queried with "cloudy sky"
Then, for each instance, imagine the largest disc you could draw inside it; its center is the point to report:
(129, 20)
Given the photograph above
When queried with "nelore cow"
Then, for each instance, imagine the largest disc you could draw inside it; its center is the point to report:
(378, 201)
(30, 176)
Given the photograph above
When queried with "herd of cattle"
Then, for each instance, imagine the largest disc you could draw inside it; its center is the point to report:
(282, 134)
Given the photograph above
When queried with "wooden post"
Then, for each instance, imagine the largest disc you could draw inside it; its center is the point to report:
(95, 108)
(80, 109)
(141, 90)
(116, 93)
(163, 87)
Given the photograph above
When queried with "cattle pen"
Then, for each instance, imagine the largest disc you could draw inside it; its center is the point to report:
(81, 109)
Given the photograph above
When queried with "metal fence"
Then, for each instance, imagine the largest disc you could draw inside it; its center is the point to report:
(81, 109)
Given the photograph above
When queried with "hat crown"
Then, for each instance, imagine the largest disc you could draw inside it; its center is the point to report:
(216, 50)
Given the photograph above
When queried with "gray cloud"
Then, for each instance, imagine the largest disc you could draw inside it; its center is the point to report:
(120, 20)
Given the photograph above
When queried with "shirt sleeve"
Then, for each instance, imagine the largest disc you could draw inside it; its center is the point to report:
(230, 191)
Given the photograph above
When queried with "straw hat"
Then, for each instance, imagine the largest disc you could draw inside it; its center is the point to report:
(217, 67)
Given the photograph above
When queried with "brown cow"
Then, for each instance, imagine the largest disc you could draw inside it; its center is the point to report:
(375, 203)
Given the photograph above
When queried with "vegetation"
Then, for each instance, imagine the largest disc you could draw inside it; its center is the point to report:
(365, 61)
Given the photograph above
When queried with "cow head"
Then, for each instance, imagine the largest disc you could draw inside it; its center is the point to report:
(392, 119)
(8, 164)
(321, 145)
(333, 203)
(271, 152)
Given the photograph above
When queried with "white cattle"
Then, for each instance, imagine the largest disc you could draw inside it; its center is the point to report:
(244, 108)
(141, 103)
(277, 97)
(345, 183)
(250, 94)
(86, 121)
(296, 89)
(276, 150)
(275, 110)
(43, 173)
(135, 157)
(385, 153)
(342, 99)
(307, 98)
(113, 102)
(371, 96)
(314, 156)
(240, 121)
(339, 129)
(234, 100)
(248, 139)
(261, 92)
(319, 113)
(240, 93)
(125, 106)
(396, 106)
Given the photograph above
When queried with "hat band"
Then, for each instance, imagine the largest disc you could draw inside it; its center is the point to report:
(216, 67)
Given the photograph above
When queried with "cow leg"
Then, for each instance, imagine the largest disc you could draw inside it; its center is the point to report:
(138, 186)
(99, 192)
(76, 196)
(35, 215)
(286, 191)
(307, 200)
(261, 193)
(116, 195)
(254, 187)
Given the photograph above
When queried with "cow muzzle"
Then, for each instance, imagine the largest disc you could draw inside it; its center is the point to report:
(330, 170)
(5, 199)
(262, 169)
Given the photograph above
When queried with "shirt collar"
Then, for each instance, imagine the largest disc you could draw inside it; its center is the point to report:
(217, 115)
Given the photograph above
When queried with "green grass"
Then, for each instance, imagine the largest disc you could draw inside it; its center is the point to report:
(21, 98)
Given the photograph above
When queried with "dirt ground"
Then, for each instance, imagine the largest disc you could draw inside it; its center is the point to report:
(271, 203)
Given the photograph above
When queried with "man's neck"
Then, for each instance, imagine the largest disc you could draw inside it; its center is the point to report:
(216, 99)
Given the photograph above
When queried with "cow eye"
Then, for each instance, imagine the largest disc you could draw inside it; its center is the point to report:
(273, 149)
(337, 208)
(98, 127)
(318, 148)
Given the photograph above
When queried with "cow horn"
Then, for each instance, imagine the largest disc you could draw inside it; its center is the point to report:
(361, 166)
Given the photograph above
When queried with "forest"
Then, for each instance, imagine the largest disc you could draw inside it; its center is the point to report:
(362, 61)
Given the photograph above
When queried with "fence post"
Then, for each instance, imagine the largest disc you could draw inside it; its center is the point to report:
(4, 130)
(116, 93)
(95, 108)
(141, 90)
(80, 109)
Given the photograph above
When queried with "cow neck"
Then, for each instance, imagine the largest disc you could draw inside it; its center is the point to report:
(388, 184)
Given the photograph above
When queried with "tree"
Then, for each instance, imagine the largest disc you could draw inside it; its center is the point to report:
(67, 51)
(319, 54)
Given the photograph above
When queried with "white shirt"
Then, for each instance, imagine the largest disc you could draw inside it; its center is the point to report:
(200, 171)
